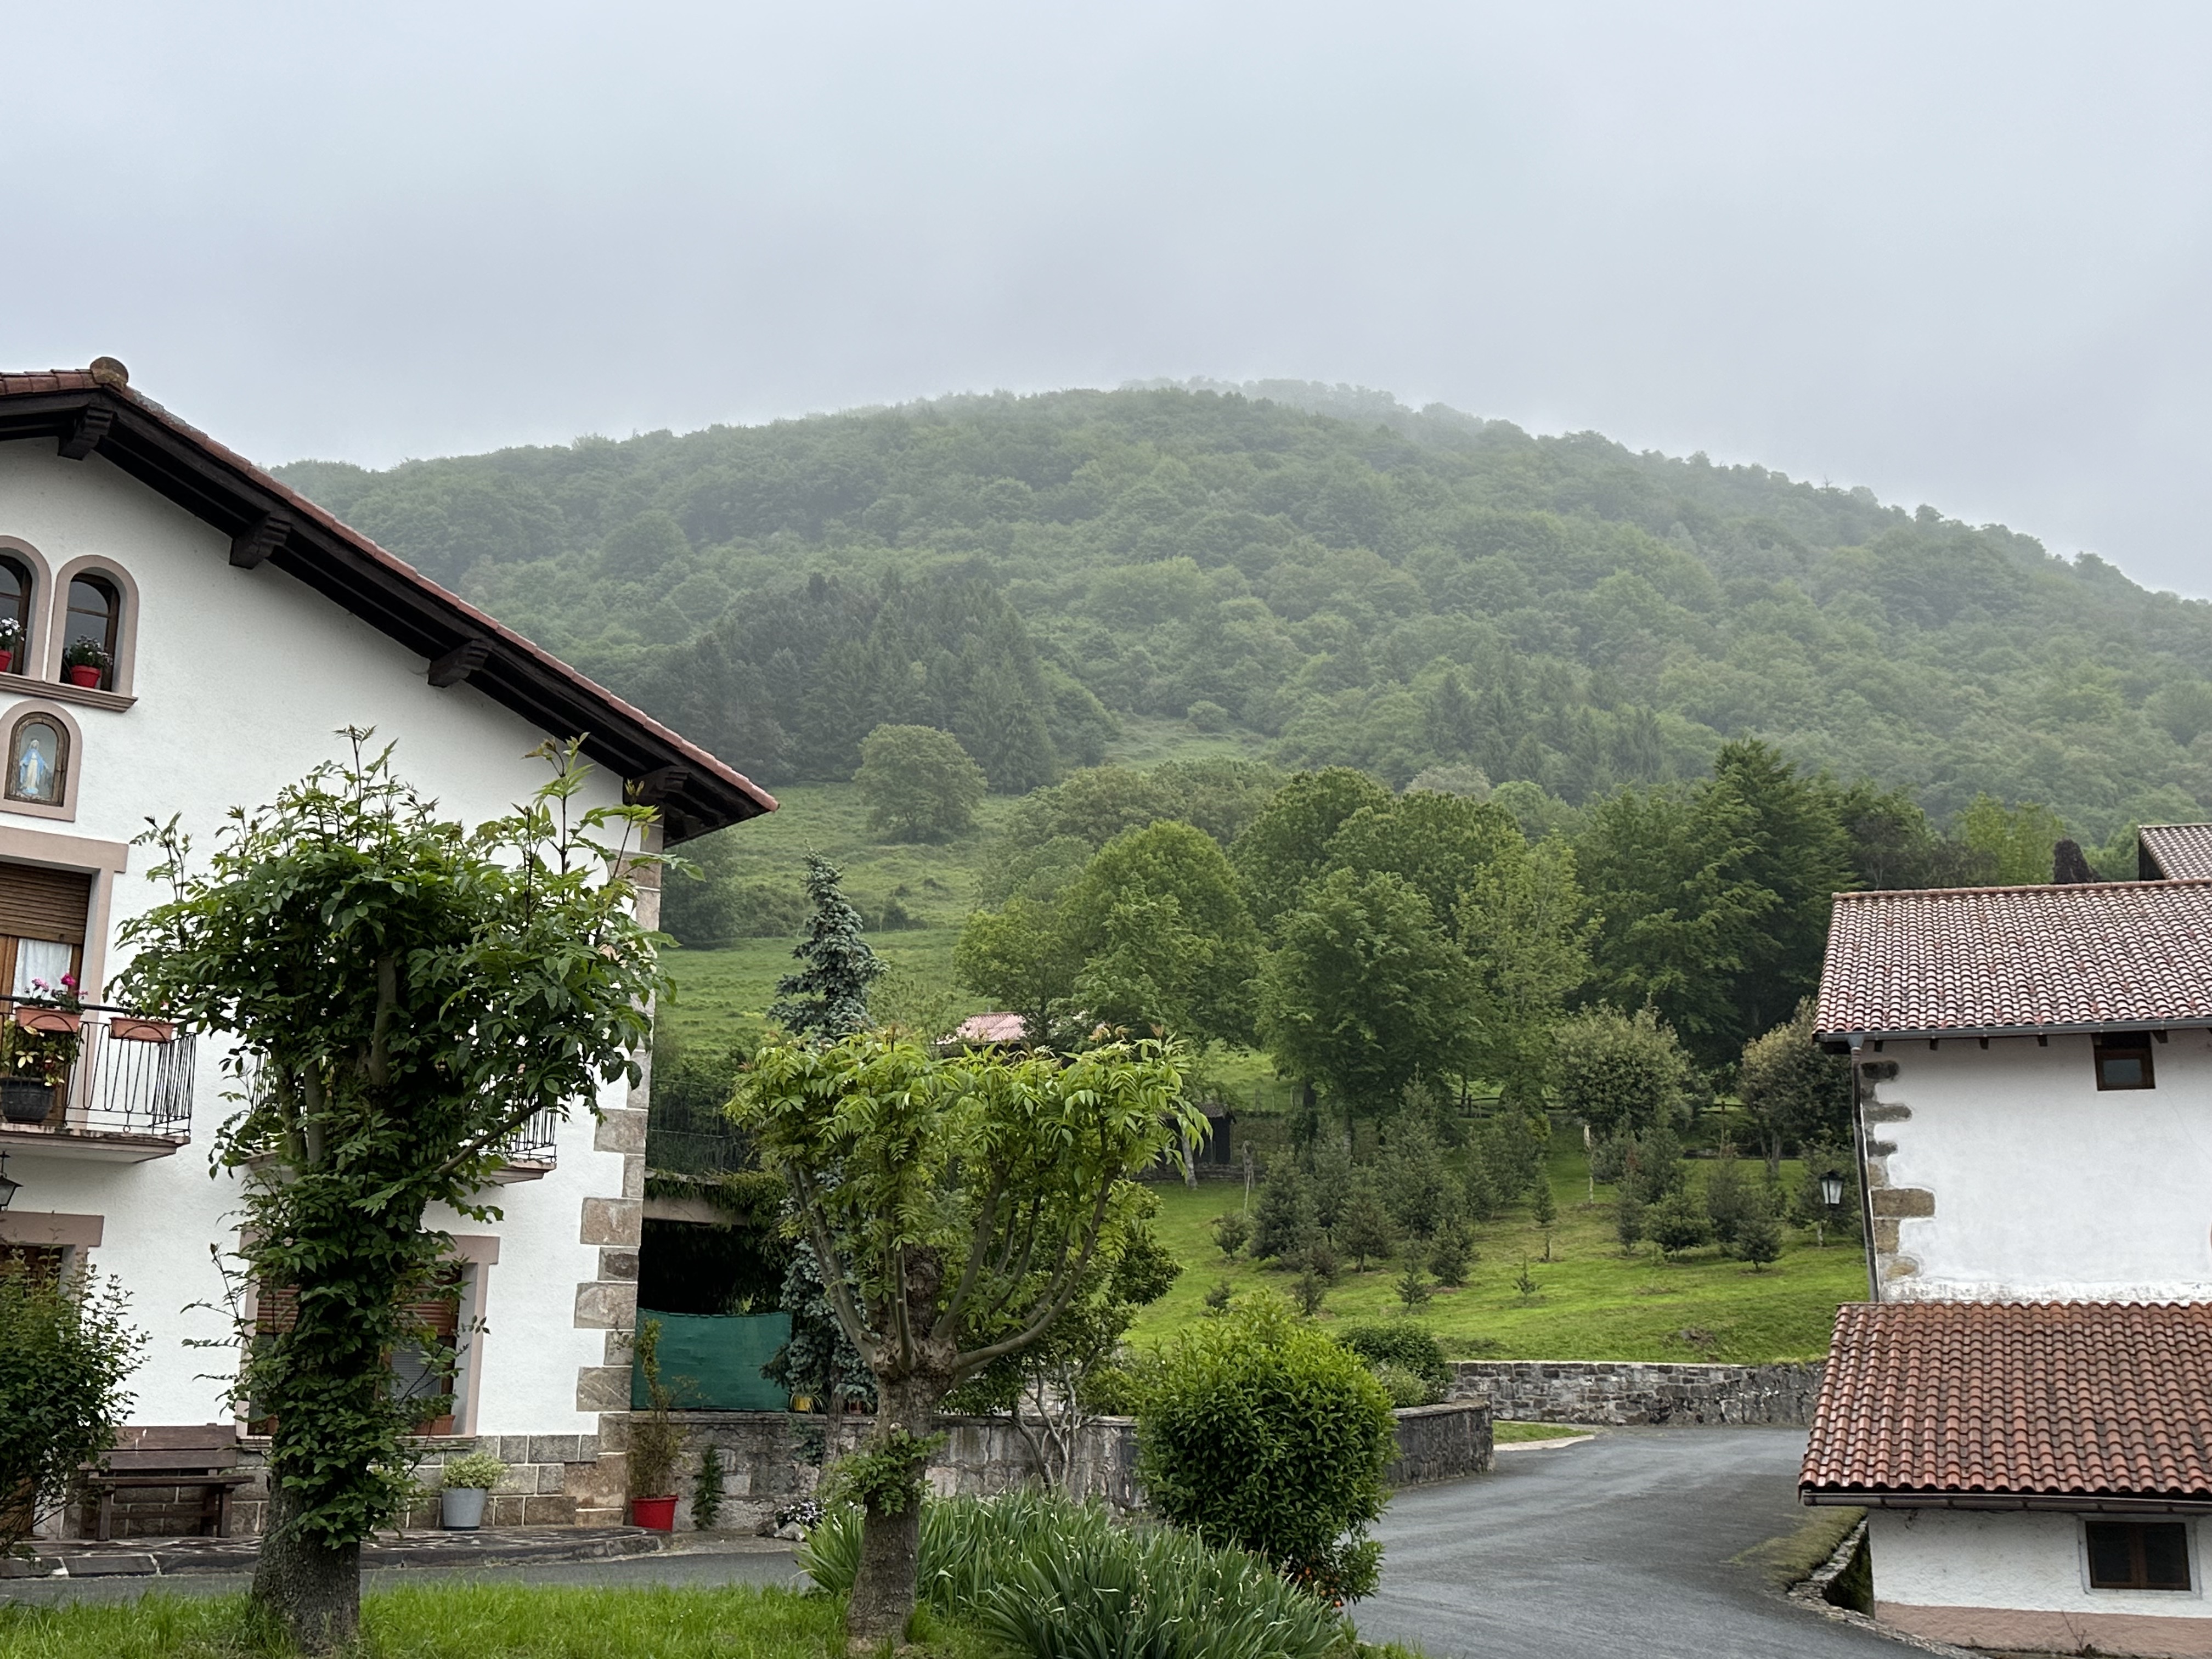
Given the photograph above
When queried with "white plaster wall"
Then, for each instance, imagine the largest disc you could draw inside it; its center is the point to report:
(242, 677)
(2044, 1187)
(2009, 1559)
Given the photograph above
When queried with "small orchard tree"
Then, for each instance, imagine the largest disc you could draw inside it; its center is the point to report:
(405, 994)
(957, 1206)
(1262, 1432)
(65, 1349)
(1621, 1073)
(1794, 1093)
(918, 783)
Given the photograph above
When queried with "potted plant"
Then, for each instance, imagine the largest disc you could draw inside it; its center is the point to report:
(11, 641)
(466, 1482)
(655, 1441)
(85, 663)
(37, 1049)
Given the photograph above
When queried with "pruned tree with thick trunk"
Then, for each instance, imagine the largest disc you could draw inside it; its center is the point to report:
(405, 994)
(957, 1205)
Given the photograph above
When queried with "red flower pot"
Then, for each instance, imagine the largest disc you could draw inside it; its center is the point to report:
(125, 1029)
(656, 1514)
(83, 674)
(7, 661)
(33, 1017)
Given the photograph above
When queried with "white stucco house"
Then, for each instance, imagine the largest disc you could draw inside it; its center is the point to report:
(243, 627)
(2025, 1406)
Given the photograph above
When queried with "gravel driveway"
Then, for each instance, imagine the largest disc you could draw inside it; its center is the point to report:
(1619, 1548)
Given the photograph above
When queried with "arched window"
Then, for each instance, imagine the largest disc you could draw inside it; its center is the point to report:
(14, 614)
(38, 761)
(88, 635)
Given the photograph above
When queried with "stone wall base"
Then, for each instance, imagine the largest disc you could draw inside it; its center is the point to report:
(1633, 1392)
(2150, 1635)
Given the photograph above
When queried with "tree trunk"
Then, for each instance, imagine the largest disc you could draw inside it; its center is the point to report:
(313, 1589)
(883, 1597)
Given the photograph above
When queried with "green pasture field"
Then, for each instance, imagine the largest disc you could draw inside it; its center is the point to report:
(1591, 1301)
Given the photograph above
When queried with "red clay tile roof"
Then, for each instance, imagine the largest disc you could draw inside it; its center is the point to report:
(2177, 852)
(1980, 959)
(696, 791)
(992, 1028)
(2055, 1398)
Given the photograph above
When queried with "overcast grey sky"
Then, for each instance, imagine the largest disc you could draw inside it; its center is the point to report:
(1957, 253)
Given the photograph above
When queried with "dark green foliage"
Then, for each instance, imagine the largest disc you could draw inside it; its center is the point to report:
(1413, 1290)
(1045, 1578)
(1311, 1290)
(1808, 1203)
(1217, 1299)
(1526, 1282)
(1796, 1094)
(707, 1490)
(1564, 613)
(1286, 847)
(1363, 1228)
(1758, 1234)
(1449, 1252)
(918, 782)
(1677, 1222)
(1628, 1218)
(1283, 1216)
(1417, 1185)
(1364, 993)
(1265, 1434)
(1400, 1342)
(1231, 1231)
(828, 997)
(1543, 1208)
(65, 1349)
(1730, 1200)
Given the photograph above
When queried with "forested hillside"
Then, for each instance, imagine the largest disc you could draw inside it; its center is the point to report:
(1391, 591)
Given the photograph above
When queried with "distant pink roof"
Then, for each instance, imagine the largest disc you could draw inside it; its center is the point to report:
(992, 1028)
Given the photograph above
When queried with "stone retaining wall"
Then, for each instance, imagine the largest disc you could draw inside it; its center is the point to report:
(1624, 1392)
(772, 1459)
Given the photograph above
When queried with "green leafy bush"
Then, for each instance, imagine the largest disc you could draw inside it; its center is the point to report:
(478, 1470)
(1260, 1431)
(65, 1351)
(1404, 1387)
(1048, 1578)
(1404, 1344)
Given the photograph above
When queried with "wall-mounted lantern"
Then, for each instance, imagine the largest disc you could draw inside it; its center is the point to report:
(7, 1189)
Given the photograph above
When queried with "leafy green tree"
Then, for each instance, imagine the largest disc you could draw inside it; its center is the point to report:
(918, 782)
(1159, 921)
(1621, 1073)
(1418, 1185)
(1287, 847)
(1023, 957)
(957, 1206)
(1231, 1228)
(1283, 1218)
(404, 994)
(66, 1350)
(1794, 1092)
(1260, 1432)
(1799, 852)
(1442, 844)
(2016, 839)
(1729, 1200)
(827, 998)
(1523, 925)
(1450, 1251)
(1365, 993)
(1758, 1237)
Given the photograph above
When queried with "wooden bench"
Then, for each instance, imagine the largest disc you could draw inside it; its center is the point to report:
(204, 1455)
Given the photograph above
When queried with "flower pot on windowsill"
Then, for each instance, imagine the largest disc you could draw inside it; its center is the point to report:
(83, 674)
(33, 1017)
(460, 1508)
(26, 1099)
(7, 662)
(654, 1513)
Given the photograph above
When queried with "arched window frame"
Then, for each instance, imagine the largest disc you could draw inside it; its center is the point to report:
(35, 622)
(72, 769)
(122, 670)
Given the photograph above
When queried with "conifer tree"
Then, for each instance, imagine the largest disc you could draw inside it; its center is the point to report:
(828, 997)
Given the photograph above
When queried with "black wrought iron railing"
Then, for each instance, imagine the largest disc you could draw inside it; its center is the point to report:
(97, 1071)
(533, 1142)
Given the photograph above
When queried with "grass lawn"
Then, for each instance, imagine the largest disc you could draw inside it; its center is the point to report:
(452, 1621)
(1590, 1301)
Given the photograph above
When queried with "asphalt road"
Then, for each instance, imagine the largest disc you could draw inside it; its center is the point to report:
(1619, 1548)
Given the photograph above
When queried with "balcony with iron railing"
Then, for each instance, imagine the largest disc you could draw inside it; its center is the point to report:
(95, 1082)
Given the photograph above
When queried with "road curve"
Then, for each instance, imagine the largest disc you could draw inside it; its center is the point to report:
(1619, 1548)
